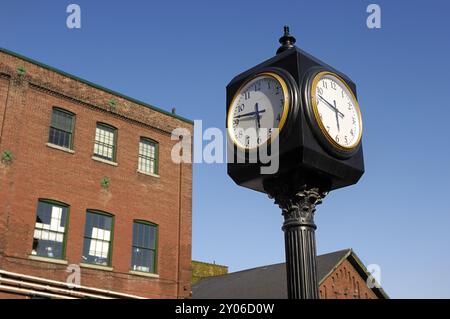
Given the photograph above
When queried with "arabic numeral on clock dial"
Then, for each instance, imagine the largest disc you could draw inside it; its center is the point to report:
(336, 110)
(259, 107)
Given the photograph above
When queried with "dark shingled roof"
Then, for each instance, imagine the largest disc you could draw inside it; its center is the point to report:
(267, 282)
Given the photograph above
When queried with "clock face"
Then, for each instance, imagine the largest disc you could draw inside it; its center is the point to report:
(336, 110)
(258, 111)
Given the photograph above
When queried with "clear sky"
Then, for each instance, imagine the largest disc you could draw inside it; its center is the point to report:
(183, 53)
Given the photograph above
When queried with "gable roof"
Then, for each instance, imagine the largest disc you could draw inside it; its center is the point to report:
(269, 282)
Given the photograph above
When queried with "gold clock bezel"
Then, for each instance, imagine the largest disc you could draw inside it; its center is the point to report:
(287, 101)
(322, 128)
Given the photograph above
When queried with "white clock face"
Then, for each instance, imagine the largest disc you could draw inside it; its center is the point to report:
(258, 111)
(337, 111)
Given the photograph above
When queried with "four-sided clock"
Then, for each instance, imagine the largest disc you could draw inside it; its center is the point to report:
(312, 111)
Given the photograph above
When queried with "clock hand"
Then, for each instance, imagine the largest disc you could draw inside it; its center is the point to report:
(258, 123)
(331, 106)
(337, 117)
(248, 114)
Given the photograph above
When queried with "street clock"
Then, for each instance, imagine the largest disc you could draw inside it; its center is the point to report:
(304, 114)
(309, 107)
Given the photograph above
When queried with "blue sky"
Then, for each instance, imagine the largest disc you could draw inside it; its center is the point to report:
(183, 53)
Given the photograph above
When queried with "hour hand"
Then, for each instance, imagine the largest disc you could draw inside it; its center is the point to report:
(331, 106)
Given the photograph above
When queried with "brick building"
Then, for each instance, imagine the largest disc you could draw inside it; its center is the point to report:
(341, 275)
(87, 180)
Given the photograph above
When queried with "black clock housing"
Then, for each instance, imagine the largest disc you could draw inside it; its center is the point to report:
(303, 153)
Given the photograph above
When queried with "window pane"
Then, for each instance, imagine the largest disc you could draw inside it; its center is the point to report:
(49, 232)
(143, 260)
(61, 128)
(97, 239)
(104, 142)
(144, 247)
(147, 156)
(62, 120)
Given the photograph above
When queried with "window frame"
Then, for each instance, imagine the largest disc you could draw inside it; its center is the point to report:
(72, 134)
(156, 159)
(111, 242)
(115, 137)
(155, 260)
(66, 226)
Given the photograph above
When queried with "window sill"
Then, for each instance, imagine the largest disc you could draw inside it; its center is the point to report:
(148, 174)
(143, 274)
(48, 260)
(98, 267)
(60, 148)
(98, 159)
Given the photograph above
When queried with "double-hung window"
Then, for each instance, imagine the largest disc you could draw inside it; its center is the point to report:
(105, 142)
(98, 233)
(144, 249)
(50, 230)
(148, 156)
(62, 128)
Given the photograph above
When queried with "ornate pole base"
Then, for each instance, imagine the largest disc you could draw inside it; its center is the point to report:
(298, 209)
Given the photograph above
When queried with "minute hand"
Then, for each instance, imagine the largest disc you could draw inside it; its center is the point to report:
(331, 106)
(249, 114)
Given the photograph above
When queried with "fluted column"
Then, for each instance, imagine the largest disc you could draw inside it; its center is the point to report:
(298, 208)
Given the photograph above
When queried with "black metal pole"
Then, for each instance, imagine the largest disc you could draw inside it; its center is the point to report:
(298, 208)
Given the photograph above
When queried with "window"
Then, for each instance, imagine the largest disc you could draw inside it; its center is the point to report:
(61, 128)
(144, 247)
(50, 230)
(148, 156)
(105, 142)
(98, 238)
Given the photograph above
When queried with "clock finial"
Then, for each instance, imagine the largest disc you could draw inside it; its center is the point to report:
(287, 41)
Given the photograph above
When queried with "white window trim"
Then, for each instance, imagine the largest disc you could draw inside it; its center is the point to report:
(149, 174)
(98, 267)
(48, 260)
(57, 147)
(102, 160)
(143, 273)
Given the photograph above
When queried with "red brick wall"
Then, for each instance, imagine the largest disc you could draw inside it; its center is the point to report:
(8, 295)
(38, 171)
(345, 283)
